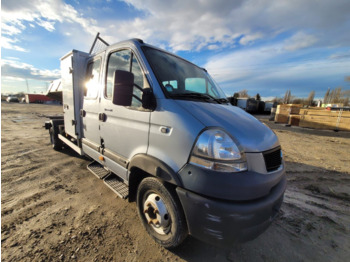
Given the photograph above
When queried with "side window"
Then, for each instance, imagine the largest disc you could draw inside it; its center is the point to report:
(119, 60)
(92, 79)
(195, 85)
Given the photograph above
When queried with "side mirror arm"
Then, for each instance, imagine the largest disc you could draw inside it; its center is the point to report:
(148, 101)
(137, 98)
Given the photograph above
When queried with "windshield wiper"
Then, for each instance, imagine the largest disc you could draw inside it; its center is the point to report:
(205, 97)
(224, 100)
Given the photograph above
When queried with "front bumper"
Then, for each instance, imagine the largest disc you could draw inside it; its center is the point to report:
(224, 223)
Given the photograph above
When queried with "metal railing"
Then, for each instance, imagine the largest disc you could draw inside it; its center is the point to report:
(98, 45)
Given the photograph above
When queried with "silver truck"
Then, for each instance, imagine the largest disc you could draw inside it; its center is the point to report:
(161, 132)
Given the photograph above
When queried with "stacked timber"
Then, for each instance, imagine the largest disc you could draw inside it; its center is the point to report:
(325, 119)
(284, 112)
(294, 120)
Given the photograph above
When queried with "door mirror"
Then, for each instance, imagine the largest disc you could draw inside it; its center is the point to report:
(123, 88)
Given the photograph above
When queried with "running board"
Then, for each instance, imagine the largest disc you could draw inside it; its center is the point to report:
(71, 144)
(117, 185)
(98, 170)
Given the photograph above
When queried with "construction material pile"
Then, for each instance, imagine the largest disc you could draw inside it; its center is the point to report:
(287, 113)
(325, 119)
(313, 117)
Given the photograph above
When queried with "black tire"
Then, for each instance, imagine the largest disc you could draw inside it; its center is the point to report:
(176, 232)
(55, 142)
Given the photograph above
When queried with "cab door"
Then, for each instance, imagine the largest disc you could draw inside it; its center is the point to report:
(124, 130)
(91, 105)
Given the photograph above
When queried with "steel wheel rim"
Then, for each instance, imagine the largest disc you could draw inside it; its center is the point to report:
(157, 214)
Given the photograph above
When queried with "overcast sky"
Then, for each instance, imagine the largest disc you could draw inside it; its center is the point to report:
(264, 46)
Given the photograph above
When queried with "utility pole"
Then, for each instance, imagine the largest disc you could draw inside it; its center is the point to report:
(27, 86)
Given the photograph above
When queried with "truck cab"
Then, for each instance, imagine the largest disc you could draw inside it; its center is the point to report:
(161, 132)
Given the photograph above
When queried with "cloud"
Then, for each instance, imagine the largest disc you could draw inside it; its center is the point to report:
(50, 15)
(13, 69)
(340, 55)
(10, 43)
(12, 29)
(299, 40)
(236, 65)
(184, 25)
(45, 14)
(200, 24)
(49, 26)
(248, 39)
(268, 66)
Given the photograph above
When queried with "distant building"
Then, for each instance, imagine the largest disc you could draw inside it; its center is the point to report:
(39, 99)
(55, 90)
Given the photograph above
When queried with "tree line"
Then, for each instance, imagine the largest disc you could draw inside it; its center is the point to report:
(332, 96)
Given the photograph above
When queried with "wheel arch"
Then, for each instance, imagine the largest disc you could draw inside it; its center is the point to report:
(142, 166)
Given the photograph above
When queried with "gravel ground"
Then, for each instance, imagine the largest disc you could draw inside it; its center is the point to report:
(54, 209)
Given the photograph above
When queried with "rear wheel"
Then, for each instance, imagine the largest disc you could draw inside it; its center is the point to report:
(161, 212)
(55, 142)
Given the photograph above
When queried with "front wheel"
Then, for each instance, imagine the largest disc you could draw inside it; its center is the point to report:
(161, 213)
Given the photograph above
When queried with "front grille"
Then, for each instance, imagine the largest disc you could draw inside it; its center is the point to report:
(273, 159)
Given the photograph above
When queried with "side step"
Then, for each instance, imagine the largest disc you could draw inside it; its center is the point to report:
(110, 179)
(98, 170)
(117, 185)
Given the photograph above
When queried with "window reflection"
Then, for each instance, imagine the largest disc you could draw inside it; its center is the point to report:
(117, 61)
(126, 60)
(92, 80)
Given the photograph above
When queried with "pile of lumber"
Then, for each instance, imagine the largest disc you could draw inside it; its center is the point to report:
(286, 112)
(313, 117)
(325, 119)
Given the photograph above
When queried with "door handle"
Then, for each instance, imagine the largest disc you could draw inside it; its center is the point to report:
(82, 113)
(102, 117)
(108, 110)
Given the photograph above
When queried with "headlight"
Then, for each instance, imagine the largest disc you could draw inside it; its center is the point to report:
(216, 150)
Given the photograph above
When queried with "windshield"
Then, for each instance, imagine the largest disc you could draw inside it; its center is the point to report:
(181, 79)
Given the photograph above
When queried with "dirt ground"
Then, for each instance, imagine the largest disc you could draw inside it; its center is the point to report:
(54, 209)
